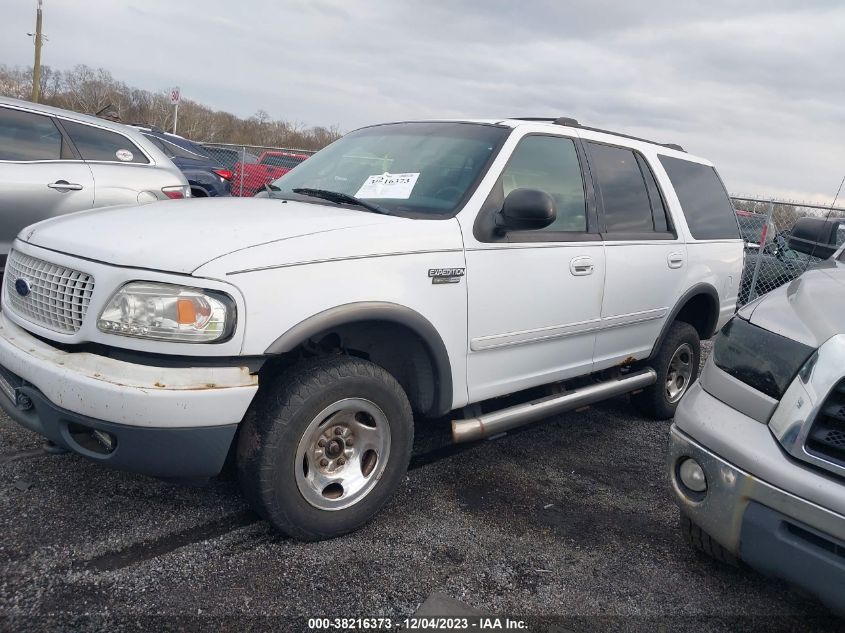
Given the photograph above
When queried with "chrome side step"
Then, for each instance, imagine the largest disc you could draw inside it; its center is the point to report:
(506, 419)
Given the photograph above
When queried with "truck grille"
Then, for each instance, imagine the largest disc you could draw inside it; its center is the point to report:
(57, 297)
(827, 435)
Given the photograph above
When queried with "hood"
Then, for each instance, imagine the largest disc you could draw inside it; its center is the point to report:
(181, 235)
(809, 309)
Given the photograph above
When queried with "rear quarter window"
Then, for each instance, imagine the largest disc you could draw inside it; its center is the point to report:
(705, 203)
(98, 144)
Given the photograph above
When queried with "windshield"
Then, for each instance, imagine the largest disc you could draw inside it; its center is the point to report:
(425, 168)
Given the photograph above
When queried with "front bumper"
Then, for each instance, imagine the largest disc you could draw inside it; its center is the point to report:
(770, 527)
(165, 421)
(183, 453)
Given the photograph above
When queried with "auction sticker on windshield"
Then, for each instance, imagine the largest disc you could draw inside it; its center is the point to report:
(397, 186)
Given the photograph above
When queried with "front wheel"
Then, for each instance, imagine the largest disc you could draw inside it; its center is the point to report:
(323, 449)
(676, 364)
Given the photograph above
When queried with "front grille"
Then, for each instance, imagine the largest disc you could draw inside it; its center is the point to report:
(58, 297)
(826, 438)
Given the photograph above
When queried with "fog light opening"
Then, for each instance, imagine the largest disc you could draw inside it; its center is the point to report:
(692, 476)
(94, 440)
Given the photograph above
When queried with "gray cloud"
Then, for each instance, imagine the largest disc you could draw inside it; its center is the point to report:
(752, 85)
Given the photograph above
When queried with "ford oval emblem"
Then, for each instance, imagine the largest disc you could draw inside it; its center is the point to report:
(22, 286)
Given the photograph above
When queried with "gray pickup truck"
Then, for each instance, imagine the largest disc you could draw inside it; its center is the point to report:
(757, 450)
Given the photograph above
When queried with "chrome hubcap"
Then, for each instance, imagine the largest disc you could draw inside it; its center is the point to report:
(680, 373)
(342, 454)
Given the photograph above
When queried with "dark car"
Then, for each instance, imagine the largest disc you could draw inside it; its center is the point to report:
(206, 175)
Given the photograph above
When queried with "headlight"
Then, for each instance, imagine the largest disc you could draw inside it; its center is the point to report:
(169, 313)
(761, 359)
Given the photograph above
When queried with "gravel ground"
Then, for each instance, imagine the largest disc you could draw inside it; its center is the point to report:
(569, 518)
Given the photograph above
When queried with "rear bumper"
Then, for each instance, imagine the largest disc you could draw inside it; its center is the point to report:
(191, 452)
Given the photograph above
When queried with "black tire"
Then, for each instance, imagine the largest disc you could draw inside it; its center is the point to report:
(276, 422)
(703, 542)
(654, 401)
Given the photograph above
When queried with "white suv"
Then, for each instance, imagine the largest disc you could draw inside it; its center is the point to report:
(407, 271)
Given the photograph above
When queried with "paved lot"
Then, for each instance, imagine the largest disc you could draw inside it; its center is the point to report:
(567, 518)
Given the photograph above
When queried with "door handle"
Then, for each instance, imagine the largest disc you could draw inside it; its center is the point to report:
(675, 260)
(64, 185)
(580, 266)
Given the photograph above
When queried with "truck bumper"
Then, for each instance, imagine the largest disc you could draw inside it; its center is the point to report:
(773, 530)
(160, 421)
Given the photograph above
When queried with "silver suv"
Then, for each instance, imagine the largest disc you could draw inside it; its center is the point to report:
(757, 451)
(54, 162)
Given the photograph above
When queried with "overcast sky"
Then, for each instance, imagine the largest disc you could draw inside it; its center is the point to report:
(756, 86)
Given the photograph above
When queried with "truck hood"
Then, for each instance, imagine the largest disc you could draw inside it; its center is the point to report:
(809, 309)
(182, 235)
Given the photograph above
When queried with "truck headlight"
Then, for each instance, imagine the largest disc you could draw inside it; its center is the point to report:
(169, 313)
(761, 359)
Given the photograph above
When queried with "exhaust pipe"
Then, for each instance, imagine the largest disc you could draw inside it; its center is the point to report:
(506, 419)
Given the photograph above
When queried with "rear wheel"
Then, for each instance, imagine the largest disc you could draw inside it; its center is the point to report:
(676, 364)
(323, 450)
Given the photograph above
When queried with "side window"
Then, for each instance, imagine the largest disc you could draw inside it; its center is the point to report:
(622, 187)
(25, 136)
(98, 144)
(706, 205)
(550, 164)
(658, 206)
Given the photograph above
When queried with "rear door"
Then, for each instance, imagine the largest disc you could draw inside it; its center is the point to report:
(120, 167)
(646, 256)
(41, 176)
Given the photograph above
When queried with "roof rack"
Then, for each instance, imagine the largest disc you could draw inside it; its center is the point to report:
(570, 122)
(147, 126)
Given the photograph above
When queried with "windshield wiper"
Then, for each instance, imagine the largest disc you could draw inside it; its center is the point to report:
(340, 198)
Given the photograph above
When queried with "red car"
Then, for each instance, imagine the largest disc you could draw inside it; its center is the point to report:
(248, 179)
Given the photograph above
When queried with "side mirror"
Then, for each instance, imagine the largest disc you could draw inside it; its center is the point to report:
(526, 210)
(814, 236)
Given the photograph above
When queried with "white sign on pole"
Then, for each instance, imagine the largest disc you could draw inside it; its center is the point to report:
(175, 96)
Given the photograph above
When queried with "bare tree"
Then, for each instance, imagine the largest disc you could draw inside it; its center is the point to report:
(88, 90)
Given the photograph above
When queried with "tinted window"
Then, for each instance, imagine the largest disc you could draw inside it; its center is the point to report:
(658, 206)
(172, 150)
(187, 149)
(550, 164)
(627, 208)
(159, 144)
(707, 207)
(278, 160)
(27, 136)
(98, 144)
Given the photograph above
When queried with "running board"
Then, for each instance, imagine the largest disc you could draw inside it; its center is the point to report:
(506, 419)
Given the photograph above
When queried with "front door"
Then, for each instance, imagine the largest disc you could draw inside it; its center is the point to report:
(534, 297)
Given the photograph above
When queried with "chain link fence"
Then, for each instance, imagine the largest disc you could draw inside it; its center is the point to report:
(765, 226)
(253, 166)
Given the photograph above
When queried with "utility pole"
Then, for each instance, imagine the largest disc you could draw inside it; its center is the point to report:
(36, 68)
